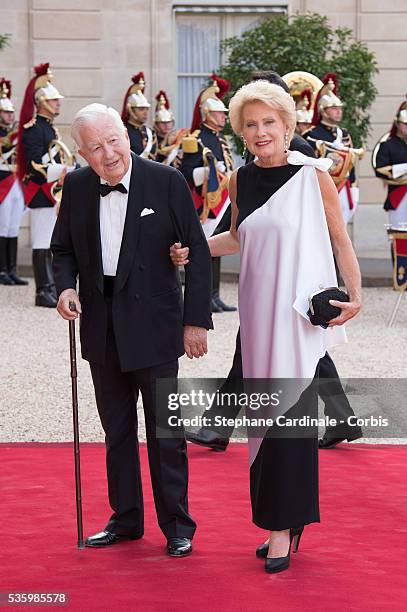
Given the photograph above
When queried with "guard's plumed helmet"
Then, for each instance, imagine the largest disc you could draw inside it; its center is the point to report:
(44, 89)
(135, 97)
(39, 89)
(209, 100)
(401, 117)
(327, 97)
(163, 114)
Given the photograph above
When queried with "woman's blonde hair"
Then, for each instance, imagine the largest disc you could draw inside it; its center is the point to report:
(262, 91)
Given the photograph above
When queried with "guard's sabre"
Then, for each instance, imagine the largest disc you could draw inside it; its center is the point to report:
(74, 379)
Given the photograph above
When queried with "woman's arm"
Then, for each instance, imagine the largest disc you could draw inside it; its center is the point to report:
(227, 242)
(342, 249)
(222, 244)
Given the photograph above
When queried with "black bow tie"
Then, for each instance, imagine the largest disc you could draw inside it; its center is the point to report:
(105, 188)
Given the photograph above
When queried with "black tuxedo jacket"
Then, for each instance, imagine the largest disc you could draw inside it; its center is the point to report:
(148, 313)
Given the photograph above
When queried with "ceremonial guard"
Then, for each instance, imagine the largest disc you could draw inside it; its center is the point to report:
(143, 139)
(304, 88)
(207, 165)
(11, 196)
(330, 140)
(389, 161)
(42, 161)
(169, 149)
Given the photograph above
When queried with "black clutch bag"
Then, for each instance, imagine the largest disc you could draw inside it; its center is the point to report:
(320, 310)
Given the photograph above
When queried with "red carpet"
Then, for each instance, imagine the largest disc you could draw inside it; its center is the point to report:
(353, 561)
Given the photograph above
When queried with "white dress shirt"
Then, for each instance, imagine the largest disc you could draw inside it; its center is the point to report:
(112, 213)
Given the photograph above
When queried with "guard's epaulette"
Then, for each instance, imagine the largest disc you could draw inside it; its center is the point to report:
(30, 123)
(190, 142)
(307, 131)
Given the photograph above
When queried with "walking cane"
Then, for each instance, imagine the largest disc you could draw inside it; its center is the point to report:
(74, 377)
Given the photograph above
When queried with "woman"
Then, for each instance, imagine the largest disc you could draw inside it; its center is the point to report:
(285, 217)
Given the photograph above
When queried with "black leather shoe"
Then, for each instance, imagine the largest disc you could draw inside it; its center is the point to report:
(330, 441)
(215, 307)
(107, 538)
(208, 438)
(45, 299)
(16, 279)
(179, 547)
(5, 279)
(221, 304)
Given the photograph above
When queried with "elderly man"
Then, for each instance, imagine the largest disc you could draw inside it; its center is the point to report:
(117, 221)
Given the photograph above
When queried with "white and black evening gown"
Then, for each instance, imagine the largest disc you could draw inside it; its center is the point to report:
(286, 255)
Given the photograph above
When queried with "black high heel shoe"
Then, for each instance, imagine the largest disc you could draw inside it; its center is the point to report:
(279, 564)
(295, 534)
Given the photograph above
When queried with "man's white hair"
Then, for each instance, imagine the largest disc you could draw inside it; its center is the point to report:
(92, 113)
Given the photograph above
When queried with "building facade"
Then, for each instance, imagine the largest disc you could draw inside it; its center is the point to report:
(94, 48)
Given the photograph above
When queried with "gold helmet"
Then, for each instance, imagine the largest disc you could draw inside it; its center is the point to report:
(163, 114)
(209, 100)
(326, 98)
(134, 98)
(401, 117)
(38, 91)
(304, 88)
(5, 95)
(44, 89)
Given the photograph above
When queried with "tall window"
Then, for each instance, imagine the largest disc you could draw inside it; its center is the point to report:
(199, 33)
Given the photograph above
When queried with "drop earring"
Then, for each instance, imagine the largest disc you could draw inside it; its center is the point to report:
(286, 142)
(244, 148)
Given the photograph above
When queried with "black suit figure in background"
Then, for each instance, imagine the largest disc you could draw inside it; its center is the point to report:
(169, 140)
(11, 197)
(136, 107)
(329, 139)
(207, 164)
(336, 404)
(39, 150)
(389, 161)
(117, 220)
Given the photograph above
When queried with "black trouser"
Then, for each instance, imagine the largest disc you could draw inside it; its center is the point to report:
(331, 392)
(336, 404)
(116, 398)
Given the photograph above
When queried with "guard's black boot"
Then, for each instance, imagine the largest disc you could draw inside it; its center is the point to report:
(50, 274)
(44, 295)
(4, 276)
(12, 245)
(218, 305)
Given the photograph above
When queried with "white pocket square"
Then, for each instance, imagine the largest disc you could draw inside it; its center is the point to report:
(147, 211)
